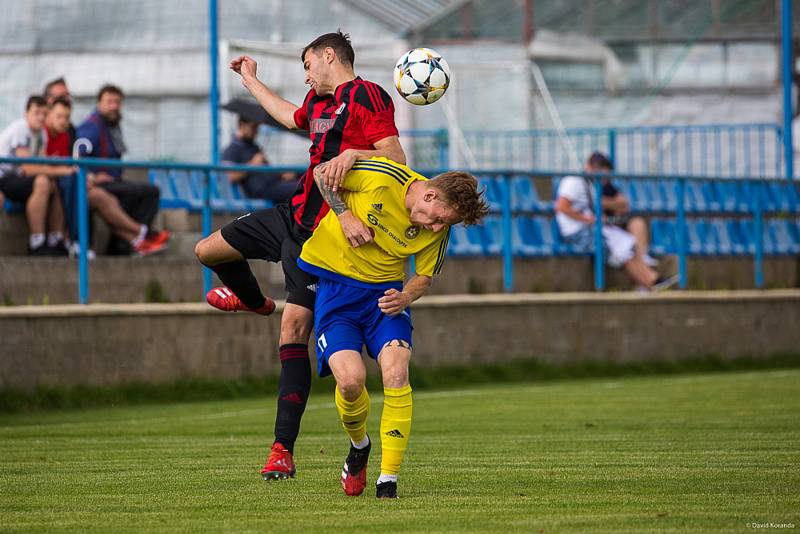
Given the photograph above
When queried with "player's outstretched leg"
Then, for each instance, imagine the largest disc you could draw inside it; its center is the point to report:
(241, 291)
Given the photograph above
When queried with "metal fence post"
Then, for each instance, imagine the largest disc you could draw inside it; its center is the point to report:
(206, 225)
(83, 238)
(508, 259)
(442, 142)
(83, 222)
(612, 147)
(758, 229)
(599, 269)
(682, 232)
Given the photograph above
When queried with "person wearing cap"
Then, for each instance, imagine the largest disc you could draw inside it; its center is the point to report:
(243, 150)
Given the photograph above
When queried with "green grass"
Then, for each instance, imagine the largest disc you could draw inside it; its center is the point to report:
(684, 453)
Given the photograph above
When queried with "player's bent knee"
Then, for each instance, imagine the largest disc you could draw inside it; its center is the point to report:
(350, 387)
(393, 359)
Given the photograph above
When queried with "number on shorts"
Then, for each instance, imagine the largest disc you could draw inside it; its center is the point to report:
(322, 343)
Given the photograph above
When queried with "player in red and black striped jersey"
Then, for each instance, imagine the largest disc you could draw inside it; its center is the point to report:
(348, 119)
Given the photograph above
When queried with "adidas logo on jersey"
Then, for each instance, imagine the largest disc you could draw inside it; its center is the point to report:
(340, 109)
(378, 207)
(394, 434)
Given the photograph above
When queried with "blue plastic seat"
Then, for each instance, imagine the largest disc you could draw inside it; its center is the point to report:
(724, 239)
(524, 196)
(747, 229)
(493, 192)
(529, 237)
(663, 240)
(695, 198)
(669, 194)
(492, 236)
(731, 196)
(461, 243)
(781, 236)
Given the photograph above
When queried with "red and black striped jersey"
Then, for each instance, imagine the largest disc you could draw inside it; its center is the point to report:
(358, 114)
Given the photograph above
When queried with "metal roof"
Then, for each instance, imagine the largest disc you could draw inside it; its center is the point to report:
(405, 16)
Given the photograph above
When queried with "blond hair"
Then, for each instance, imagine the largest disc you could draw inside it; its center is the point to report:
(460, 190)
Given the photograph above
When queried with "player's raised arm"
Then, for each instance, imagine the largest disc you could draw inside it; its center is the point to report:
(280, 109)
(356, 232)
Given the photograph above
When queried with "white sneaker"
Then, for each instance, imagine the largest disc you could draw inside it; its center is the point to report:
(649, 260)
(75, 250)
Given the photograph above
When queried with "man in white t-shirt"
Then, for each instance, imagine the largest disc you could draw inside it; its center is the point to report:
(34, 185)
(575, 217)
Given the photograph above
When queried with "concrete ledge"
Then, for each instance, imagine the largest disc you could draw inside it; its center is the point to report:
(113, 344)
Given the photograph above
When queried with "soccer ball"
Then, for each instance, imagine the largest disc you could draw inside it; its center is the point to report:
(421, 76)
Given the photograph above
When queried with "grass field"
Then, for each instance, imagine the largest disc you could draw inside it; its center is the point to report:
(689, 453)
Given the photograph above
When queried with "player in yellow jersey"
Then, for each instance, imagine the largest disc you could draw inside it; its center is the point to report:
(361, 299)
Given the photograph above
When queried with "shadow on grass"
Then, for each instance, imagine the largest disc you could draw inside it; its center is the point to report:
(522, 370)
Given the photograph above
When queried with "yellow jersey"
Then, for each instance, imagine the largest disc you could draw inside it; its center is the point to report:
(375, 191)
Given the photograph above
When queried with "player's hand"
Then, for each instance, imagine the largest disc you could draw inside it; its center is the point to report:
(337, 167)
(258, 159)
(393, 302)
(356, 232)
(245, 66)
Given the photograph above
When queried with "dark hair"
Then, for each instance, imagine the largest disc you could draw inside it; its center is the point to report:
(460, 191)
(61, 101)
(340, 42)
(49, 86)
(111, 89)
(598, 160)
(35, 100)
(246, 120)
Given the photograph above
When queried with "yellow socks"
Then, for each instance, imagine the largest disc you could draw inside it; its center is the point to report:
(395, 428)
(354, 415)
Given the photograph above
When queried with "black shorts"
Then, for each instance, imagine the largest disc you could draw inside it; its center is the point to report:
(15, 187)
(273, 235)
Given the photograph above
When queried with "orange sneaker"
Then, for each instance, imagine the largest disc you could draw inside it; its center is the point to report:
(149, 245)
(280, 464)
(224, 299)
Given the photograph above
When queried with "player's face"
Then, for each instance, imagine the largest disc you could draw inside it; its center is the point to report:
(58, 119)
(35, 117)
(433, 213)
(318, 71)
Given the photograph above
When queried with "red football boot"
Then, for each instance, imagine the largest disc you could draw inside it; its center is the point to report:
(223, 299)
(280, 464)
(354, 472)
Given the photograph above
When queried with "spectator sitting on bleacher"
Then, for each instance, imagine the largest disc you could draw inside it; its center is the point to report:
(139, 200)
(617, 207)
(574, 201)
(243, 150)
(32, 184)
(59, 143)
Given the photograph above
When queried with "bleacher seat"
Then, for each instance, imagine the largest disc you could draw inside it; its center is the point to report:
(492, 236)
(532, 237)
(461, 243)
(184, 190)
(524, 196)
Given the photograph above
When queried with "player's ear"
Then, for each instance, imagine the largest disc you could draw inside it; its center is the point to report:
(329, 54)
(429, 195)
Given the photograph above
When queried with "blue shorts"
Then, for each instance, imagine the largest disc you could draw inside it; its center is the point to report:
(347, 317)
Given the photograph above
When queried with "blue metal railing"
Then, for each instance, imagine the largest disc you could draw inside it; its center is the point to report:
(755, 208)
(729, 150)
(757, 187)
(84, 165)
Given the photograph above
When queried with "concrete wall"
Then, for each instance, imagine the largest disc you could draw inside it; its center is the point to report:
(106, 345)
